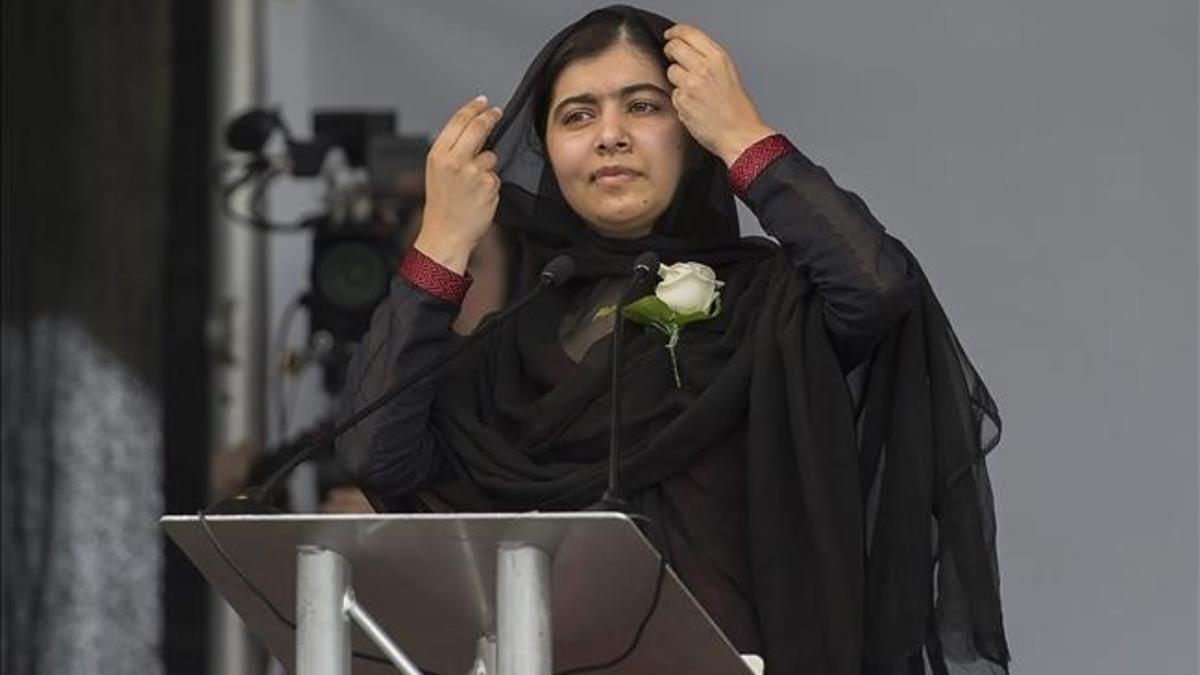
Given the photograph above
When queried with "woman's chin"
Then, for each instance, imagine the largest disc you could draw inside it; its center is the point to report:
(621, 229)
(623, 220)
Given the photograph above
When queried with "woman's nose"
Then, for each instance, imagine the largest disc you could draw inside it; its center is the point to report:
(612, 134)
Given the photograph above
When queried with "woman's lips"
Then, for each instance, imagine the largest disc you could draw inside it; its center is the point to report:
(615, 176)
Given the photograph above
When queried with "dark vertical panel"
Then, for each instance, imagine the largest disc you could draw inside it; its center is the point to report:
(22, 518)
(90, 185)
(185, 375)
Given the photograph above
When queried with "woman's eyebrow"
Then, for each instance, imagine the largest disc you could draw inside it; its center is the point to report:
(623, 92)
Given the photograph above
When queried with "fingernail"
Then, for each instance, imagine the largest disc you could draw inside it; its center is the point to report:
(498, 109)
(481, 99)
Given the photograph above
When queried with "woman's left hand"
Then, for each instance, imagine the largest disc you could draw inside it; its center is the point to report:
(709, 96)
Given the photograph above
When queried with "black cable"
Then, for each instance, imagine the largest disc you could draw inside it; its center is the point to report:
(212, 539)
(261, 175)
(637, 636)
(258, 197)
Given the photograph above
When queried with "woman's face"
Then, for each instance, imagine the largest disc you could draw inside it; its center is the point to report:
(614, 140)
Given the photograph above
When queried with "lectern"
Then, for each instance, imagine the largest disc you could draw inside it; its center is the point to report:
(452, 594)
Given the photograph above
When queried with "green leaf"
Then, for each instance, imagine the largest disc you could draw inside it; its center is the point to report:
(604, 311)
(682, 320)
(649, 310)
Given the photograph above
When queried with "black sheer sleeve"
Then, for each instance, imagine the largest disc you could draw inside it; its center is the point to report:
(392, 452)
(860, 272)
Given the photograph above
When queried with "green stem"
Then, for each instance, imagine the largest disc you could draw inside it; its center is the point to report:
(671, 342)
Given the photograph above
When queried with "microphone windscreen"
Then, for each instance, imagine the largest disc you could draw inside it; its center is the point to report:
(250, 131)
(557, 271)
(646, 262)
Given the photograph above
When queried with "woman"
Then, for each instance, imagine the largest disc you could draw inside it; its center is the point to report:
(811, 454)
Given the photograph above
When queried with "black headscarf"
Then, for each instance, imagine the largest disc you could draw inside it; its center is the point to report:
(871, 538)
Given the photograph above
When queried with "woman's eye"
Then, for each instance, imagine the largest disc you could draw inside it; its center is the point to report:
(643, 106)
(574, 116)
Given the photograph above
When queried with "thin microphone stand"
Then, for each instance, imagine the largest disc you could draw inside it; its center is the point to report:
(612, 499)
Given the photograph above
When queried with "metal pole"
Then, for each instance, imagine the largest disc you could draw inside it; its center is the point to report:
(485, 656)
(367, 623)
(523, 610)
(322, 623)
(237, 320)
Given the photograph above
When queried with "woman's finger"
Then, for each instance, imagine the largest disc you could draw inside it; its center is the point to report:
(683, 53)
(454, 127)
(677, 103)
(476, 131)
(486, 161)
(695, 37)
(677, 75)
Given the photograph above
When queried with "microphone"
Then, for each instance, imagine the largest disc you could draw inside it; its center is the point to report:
(643, 266)
(558, 271)
(251, 130)
(554, 274)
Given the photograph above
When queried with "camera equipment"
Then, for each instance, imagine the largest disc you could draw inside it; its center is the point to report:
(374, 186)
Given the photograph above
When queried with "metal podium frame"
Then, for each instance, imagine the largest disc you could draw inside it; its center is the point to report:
(495, 593)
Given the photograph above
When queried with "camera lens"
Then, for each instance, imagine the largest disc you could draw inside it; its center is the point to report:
(351, 276)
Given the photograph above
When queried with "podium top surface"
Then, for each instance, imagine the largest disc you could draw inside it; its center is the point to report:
(430, 581)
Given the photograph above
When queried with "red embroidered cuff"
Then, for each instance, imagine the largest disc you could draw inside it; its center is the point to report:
(427, 274)
(754, 159)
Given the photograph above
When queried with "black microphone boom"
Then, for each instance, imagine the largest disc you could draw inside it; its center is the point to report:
(554, 274)
(643, 266)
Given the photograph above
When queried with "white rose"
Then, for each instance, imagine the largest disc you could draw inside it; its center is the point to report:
(687, 287)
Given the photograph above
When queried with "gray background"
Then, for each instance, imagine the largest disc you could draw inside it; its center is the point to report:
(1040, 157)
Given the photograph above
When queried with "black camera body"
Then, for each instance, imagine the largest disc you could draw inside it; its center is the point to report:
(358, 242)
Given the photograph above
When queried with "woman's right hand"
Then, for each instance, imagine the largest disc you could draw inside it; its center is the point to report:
(462, 189)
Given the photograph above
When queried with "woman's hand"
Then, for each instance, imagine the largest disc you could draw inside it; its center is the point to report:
(461, 187)
(709, 96)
